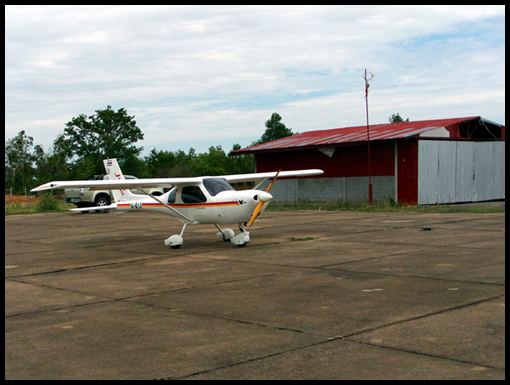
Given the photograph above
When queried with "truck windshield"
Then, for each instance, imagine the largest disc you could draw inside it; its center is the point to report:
(217, 185)
(95, 177)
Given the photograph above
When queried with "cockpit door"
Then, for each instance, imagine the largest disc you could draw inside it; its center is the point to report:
(194, 203)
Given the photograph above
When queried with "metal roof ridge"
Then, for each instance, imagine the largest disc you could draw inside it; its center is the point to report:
(351, 134)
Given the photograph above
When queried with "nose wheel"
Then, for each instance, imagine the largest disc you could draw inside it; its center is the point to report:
(240, 239)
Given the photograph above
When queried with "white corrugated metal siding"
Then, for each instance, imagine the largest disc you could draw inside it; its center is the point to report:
(455, 171)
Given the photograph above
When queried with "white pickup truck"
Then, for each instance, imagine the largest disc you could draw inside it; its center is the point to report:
(84, 197)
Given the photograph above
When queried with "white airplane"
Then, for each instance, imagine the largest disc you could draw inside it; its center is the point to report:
(195, 200)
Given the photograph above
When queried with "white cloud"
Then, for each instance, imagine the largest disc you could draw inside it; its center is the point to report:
(222, 70)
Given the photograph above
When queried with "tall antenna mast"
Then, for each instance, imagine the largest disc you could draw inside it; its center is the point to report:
(370, 193)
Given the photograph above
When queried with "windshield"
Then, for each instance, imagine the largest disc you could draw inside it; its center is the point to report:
(217, 185)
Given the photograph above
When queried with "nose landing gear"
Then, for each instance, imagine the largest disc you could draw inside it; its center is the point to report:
(240, 239)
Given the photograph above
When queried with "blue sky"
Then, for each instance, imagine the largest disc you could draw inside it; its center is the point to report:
(201, 76)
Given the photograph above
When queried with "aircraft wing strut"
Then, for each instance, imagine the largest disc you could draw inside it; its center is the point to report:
(180, 215)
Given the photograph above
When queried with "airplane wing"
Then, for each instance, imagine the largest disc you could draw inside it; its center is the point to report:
(165, 182)
(261, 176)
(116, 184)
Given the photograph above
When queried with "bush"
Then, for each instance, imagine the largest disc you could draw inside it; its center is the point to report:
(47, 203)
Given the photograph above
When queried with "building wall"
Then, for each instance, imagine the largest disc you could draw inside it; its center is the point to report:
(341, 190)
(408, 171)
(346, 161)
(345, 177)
(460, 171)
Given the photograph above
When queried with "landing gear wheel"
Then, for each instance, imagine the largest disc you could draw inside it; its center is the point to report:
(175, 241)
(241, 244)
(226, 235)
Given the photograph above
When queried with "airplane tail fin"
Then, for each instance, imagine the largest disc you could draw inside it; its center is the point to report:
(114, 172)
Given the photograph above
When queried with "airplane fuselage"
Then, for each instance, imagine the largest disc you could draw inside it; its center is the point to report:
(226, 207)
(192, 200)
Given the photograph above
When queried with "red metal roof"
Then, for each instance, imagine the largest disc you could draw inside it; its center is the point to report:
(337, 136)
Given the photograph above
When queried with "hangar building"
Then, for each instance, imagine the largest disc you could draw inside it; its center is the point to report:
(424, 162)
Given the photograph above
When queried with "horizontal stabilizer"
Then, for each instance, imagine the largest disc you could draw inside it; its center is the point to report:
(115, 184)
(96, 208)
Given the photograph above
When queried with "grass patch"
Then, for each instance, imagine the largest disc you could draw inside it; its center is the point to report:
(392, 206)
(45, 203)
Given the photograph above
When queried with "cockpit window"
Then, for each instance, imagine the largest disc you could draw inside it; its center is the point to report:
(192, 194)
(217, 185)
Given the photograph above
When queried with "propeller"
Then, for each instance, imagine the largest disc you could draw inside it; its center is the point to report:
(263, 198)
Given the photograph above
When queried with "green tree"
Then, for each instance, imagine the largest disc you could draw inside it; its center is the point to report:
(164, 164)
(396, 118)
(19, 162)
(132, 165)
(159, 164)
(52, 165)
(184, 163)
(106, 134)
(275, 129)
(215, 162)
(241, 164)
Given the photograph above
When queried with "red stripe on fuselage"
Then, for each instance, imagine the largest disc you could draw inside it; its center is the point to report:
(184, 205)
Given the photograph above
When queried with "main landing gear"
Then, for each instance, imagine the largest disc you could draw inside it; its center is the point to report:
(175, 241)
(241, 239)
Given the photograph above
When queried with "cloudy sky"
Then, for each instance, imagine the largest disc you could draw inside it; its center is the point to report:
(201, 76)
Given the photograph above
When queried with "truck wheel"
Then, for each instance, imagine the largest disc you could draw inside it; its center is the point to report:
(80, 205)
(101, 201)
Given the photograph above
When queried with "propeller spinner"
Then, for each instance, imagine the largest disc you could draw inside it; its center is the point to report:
(263, 198)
